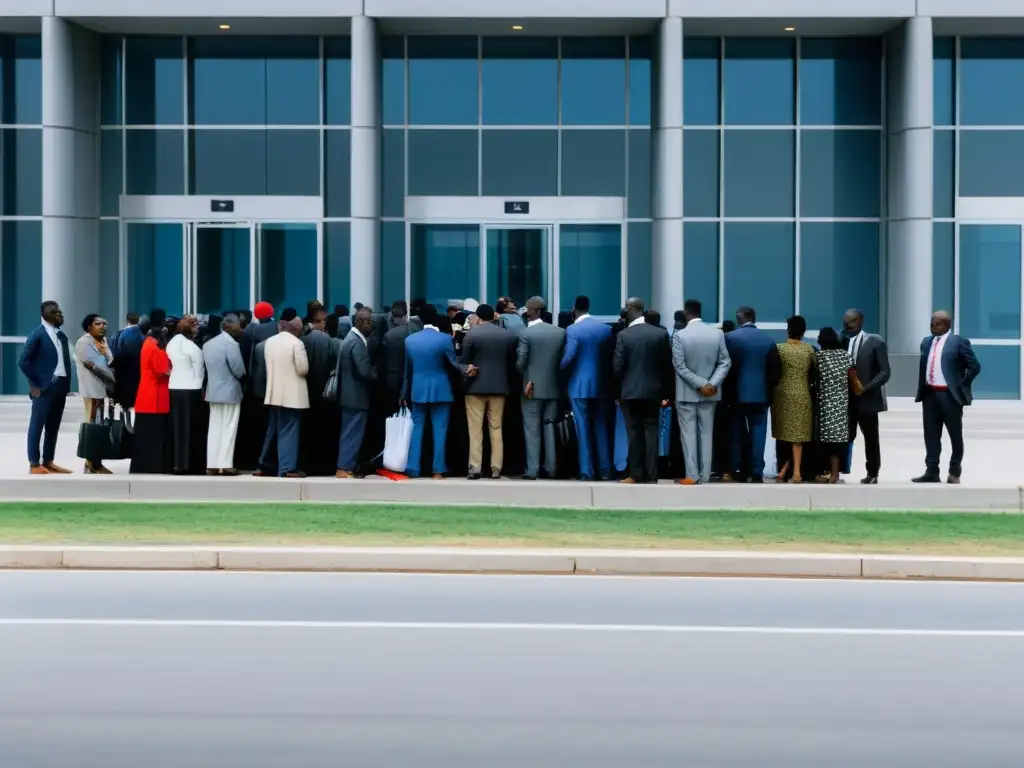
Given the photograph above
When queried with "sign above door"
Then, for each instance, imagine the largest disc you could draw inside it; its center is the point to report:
(517, 207)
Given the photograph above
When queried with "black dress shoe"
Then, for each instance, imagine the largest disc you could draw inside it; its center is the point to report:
(953, 480)
(527, 477)
(869, 480)
(927, 477)
(757, 479)
(473, 476)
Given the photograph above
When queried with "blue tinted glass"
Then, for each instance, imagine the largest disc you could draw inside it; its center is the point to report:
(839, 269)
(593, 163)
(991, 71)
(21, 151)
(841, 174)
(701, 74)
(841, 81)
(110, 172)
(393, 173)
(944, 81)
(590, 264)
(392, 80)
(254, 81)
(520, 163)
(943, 266)
(759, 269)
(110, 80)
(222, 268)
(520, 81)
(110, 264)
(991, 163)
(337, 255)
(445, 262)
(640, 80)
(155, 162)
(21, 276)
(338, 175)
(443, 81)
(293, 162)
(639, 190)
(990, 281)
(638, 259)
(21, 80)
(337, 80)
(287, 264)
(1000, 377)
(154, 81)
(593, 81)
(254, 162)
(517, 263)
(12, 381)
(944, 158)
(155, 275)
(392, 262)
(700, 173)
(759, 82)
(700, 266)
(759, 173)
(443, 162)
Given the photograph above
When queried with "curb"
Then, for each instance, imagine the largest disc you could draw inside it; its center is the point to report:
(519, 561)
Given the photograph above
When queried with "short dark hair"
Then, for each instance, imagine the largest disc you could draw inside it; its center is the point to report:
(828, 338)
(428, 314)
(46, 305)
(796, 327)
(679, 316)
(693, 308)
(728, 326)
(340, 310)
(289, 314)
(582, 304)
(399, 308)
(652, 316)
(88, 321)
(132, 318)
(485, 312)
(746, 314)
(357, 306)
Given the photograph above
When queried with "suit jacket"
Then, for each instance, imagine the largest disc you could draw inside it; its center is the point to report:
(254, 333)
(322, 356)
(356, 373)
(393, 357)
(127, 349)
(755, 359)
(872, 365)
(225, 369)
(258, 371)
(588, 352)
(512, 322)
(492, 349)
(415, 324)
(699, 357)
(429, 355)
(38, 359)
(642, 363)
(960, 368)
(287, 368)
(539, 353)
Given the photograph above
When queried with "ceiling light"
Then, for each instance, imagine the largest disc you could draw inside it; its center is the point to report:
(517, 27)
(225, 26)
(789, 29)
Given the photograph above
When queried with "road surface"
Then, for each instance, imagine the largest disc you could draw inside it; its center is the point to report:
(120, 670)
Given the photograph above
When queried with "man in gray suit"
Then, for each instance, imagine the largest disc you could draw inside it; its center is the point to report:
(491, 349)
(539, 353)
(356, 375)
(225, 369)
(701, 362)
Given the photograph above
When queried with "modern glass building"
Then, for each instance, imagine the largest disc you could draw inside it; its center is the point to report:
(798, 157)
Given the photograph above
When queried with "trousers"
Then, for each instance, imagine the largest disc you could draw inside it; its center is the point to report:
(220, 439)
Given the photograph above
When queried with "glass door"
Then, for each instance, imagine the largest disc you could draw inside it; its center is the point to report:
(517, 263)
(220, 268)
(155, 267)
(288, 271)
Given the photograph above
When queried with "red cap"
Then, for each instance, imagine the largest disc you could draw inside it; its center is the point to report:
(263, 311)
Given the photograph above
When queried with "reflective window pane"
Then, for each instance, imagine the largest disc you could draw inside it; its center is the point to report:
(517, 264)
(110, 172)
(110, 268)
(590, 264)
(638, 259)
(1000, 377)
(337, 255)
(700, 173)
(520, 163)
(759, 267)
(254, 162)
(21, 276)
(944, 159)
(839, 269)
(155, 162)
(593, 81)
(593, 163)
(841, 174)
(155, 276)
(392, 262)
(991, 163)
(337, 80)
(393, 172)
(944, 81)
(943, 266)
(991, 71)
(154, 81)
(701, 80)
(759, 173)
(700, 266)
(443, 81)
(110, 80)
(639, 190)
(223, 269)
(759, 82)
(841, 81)
(445, 262)
(443, 162)
(21, 155)
(990, 287)
(392, 80)
(640, 80)
(337, 172)
(520, 81)
(287, 256)
(21, 80)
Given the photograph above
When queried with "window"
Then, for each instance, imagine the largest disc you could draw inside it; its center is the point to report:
(21, 79)
(21, 276)
(393, 172)
(638, 260)
(154, 81)
(943, 266)
(593, 81)
(759, 173)
(590, 264)
(700, 173)
(443, 81)
(392, 262)
(21, 154)
(443, 162)
(1000, 377)
(759, 262)
(840, 174)
(337, 173)
(639, 191)
(392, 80)
(520, 162)
(991, 70)
(759, 82)
(445, 262)
(155, 162)
(640, 80)
(255, 162)
(338, 80)
(701, 80)
(337, 247)
(944, 158)
(990, 287)
(520, 81)
(944, 81)
(110, 172)
(839, 270)
(841, 81)
(700, 266)
(111, 71)
(991, 163)
(593, 163)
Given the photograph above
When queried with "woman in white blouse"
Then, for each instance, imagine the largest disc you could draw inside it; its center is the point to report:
(188, 412)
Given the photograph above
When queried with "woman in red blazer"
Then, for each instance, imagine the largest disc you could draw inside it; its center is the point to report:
(153, 452)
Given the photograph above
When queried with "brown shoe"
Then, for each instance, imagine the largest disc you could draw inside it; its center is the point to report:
(53, 469)
(101, 470)
(213, 472)
(294, 475)
(628, 481)
(437, 477)
(343, 474)
(35, 469)
(728, 478)
(687, 481)
(229, 473)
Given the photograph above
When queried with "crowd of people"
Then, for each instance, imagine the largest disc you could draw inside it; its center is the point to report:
(492, 392)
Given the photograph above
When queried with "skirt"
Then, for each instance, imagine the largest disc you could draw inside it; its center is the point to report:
(189, 424)
(152, 454)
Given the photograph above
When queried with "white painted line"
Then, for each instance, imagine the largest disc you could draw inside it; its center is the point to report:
(512, 626)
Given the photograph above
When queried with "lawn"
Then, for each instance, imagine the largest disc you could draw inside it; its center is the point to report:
(409, 525)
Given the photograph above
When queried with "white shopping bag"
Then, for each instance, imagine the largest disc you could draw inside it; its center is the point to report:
(397, 436)
(771, 464)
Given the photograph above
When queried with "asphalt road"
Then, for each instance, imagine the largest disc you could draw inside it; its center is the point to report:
(124, 670)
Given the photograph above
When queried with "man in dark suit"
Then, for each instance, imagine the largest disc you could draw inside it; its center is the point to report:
(948, 368)
(126, 347)
(356, 375)
(539, 352)
(755, 360)
(870, 358)
(491, 349)
(254, 417)
(642, 365)
(392, 359)
(46, 363)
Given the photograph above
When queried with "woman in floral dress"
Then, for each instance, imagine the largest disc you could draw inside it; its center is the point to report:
(792, 406)
(834, 382)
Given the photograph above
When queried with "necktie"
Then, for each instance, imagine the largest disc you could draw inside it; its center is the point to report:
(931, 363)
(856, 347)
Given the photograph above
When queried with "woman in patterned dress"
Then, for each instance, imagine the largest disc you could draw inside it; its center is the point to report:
(834, 381)
(792, 406)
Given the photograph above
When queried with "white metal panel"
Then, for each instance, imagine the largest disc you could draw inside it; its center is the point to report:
(218, 9)
(973, 9)
(492, 209)
(524, 9)
(185, 207)
(28, 8)
(795, 9)
(991, 208)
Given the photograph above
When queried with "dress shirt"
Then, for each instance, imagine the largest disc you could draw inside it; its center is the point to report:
(357, 332)
(534, 322)
(933, 373)
(187, 366)
(581, 318)
(855, 344)
(61, 369)
(639, 321)
(428, 327)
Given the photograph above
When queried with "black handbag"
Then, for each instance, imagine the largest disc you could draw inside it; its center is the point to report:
(122, 436)
(94, 443)
(330, 393)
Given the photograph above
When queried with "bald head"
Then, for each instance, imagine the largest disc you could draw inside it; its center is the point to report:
(535, 308)
(634, 308)
(942, 321)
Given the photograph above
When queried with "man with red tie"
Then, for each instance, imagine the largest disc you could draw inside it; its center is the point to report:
(948, 366)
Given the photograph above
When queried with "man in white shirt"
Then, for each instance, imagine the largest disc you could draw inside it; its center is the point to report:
(46, 363)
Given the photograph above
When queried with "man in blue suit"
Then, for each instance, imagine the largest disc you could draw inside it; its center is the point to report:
(46, 363)
(588, 357)
(948, 367)
(428, 356)
(756, 368)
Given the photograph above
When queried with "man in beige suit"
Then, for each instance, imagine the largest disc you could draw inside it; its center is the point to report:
(287, 396)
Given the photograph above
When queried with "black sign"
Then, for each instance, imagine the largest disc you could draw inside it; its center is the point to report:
(517, 207)
(222, 206)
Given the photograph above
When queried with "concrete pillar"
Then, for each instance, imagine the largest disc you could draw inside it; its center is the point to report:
(364, 266)
(667, 255)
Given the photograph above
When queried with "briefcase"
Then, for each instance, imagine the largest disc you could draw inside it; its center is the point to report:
(567, 459)
(94, 438)
(122, 436)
